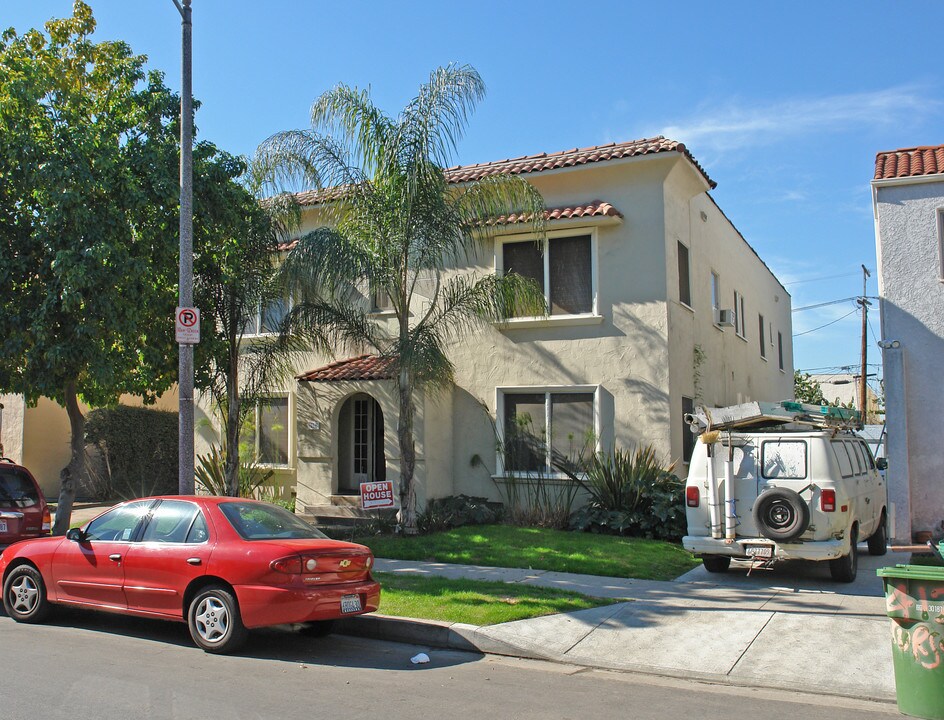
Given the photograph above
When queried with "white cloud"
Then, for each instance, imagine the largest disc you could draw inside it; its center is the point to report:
(739, 124)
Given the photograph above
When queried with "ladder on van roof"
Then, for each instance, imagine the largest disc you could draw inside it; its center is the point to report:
(759, 415)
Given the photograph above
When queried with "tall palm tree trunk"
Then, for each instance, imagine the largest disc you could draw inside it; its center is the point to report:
(407, 454)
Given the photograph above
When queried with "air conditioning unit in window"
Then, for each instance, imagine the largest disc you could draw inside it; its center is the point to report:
(725, 318)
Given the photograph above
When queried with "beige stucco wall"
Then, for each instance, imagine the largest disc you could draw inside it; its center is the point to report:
(11, 432)
(45, 433)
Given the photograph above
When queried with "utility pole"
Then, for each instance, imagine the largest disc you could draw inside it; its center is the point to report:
(863, 301)
(185, 292)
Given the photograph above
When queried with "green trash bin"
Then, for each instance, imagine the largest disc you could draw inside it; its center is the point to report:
(914, 601)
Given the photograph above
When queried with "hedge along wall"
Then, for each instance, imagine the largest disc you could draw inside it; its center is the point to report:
(137, 450)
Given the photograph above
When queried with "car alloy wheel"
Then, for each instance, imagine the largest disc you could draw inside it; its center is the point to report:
(24, 595)
(214, 620)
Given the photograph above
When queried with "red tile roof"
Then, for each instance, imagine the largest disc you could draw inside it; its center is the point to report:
(362, 367)
(594, 208)
(543, 161)
(569, 158)
(909, 162)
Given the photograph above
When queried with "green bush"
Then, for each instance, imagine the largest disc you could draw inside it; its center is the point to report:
(210, 475)
(457, 510)
(138, 449)
(632, 493)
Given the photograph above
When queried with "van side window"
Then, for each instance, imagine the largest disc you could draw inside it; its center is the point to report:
(868, 456)
(842, 457)
(862, 454)
(784, 459)
(858, 467)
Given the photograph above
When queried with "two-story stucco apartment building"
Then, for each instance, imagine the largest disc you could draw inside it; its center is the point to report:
(641, 270)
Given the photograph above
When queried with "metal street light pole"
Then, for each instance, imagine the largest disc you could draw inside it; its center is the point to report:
(185, 366)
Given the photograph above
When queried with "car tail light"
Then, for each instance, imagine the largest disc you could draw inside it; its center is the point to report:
(827, 500)
(692, 496)
(291, 565)
(47, 520)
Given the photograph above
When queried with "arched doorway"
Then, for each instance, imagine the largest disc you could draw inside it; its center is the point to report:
(360, 444)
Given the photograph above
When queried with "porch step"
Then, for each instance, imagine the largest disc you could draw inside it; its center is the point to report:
(342, 520)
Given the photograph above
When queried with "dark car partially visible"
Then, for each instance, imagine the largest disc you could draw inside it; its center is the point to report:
(23, 510)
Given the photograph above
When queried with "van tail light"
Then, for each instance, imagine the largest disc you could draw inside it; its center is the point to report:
(692, 496)
(47, 521)
(827, 500)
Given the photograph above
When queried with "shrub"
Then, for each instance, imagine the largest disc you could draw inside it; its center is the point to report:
(457, 510)
(138, 449)
(631, 493)
(210, 475)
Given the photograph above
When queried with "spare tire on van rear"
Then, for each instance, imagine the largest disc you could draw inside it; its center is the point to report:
(781, 514)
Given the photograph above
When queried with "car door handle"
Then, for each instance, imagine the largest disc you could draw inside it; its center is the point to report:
(116, 557)
(194, 561)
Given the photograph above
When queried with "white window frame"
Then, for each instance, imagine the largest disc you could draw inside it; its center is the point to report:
(257, 319)
(256, 434)
(715, 296)
(940, 244)
(588, 318)
(547, 390)
(762, 330)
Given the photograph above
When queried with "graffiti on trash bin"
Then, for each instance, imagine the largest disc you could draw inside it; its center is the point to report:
(900, 602)
(923, 643)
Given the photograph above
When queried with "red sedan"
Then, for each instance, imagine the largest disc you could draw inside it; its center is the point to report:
(222, 565)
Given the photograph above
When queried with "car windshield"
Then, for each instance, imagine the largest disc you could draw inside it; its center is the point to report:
(17, 490)
(258, 521)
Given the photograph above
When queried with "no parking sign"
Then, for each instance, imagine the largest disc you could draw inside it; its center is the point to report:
(188, 325)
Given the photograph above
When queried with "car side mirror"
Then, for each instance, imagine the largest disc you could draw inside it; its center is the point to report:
(881, 463)
(75, 535)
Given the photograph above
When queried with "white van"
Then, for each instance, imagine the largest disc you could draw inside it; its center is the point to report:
(770, 485)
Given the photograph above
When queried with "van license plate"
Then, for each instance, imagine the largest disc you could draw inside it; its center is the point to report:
(350, 603)
(763, 551)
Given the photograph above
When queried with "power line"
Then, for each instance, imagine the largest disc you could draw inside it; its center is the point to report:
(835, 302)
(825, 277)
(807, 332)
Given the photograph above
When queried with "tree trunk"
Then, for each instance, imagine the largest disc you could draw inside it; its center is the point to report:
(231, 469)
(74, 472)
(407, 454)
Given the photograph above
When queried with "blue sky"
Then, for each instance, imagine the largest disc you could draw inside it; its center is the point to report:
(784, 104)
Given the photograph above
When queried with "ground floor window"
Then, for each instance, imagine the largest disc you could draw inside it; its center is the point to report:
(541, 426)
(266, 437)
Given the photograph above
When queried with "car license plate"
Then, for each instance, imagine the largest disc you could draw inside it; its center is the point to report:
(3, 526)
(350, 603)
(762, 551)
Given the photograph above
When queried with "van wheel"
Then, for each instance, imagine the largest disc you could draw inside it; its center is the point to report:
(781, 514)
(716, 563)
(878, 543)
(844, 569)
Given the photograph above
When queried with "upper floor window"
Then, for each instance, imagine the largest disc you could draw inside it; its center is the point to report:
(715, 295)
(940, 242)
(267, 318)
(761, 334)
(564, 271)
(685, 285)
(380, 301)
(780, 349)
(739, 317)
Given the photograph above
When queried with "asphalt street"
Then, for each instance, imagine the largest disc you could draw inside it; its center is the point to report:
(116, 668)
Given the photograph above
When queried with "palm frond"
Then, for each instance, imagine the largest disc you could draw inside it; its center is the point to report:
(367, 130)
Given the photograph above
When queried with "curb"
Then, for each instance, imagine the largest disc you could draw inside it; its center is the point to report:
(472, 638)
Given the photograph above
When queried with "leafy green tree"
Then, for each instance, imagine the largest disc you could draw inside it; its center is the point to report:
(806, 389)
(393, 226)
(87, 162)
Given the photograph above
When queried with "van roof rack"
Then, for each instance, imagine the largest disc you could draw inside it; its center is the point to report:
(760, 415)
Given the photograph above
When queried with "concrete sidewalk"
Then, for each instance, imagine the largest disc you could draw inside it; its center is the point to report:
(790, 628)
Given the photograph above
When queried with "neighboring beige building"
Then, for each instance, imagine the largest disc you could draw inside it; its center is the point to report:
(38, 437)
(642, 271)
(843, 389)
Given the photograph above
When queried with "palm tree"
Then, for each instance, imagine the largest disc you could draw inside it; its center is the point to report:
(394, 226)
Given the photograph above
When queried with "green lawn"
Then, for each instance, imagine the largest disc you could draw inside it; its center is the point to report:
(540, 549)
(474, 601)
